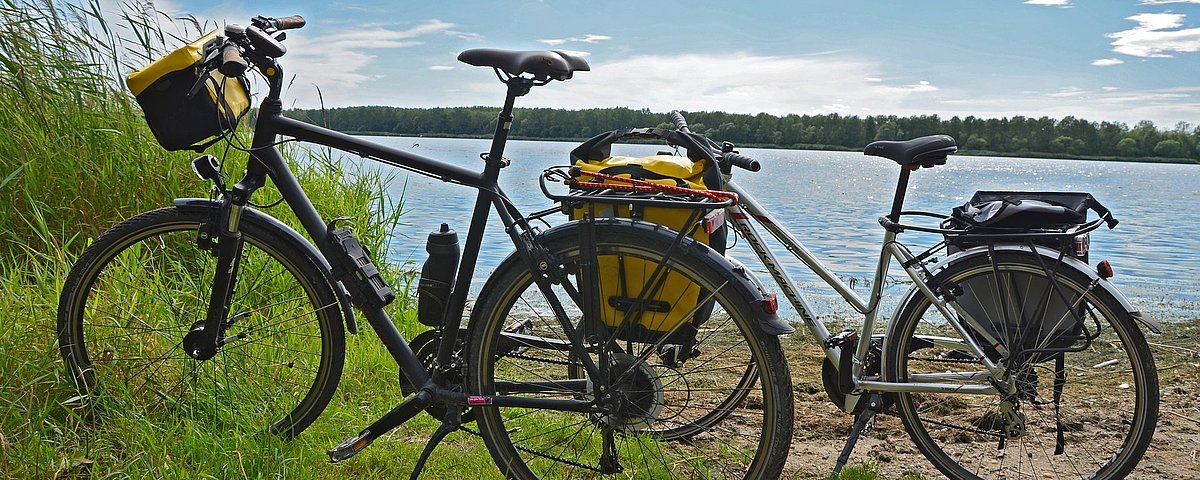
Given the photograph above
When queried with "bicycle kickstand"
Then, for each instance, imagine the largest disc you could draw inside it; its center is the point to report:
(874, 405)
(449, 424)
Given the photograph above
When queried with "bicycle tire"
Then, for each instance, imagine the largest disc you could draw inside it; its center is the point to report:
(1108, 398)
(717, 429)
(137, 290)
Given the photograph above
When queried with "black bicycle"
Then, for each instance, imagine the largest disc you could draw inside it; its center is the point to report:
(212, 307)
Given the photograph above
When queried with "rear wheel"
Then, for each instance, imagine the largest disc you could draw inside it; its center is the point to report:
(1083, 407)
(137, 291)
(721, 410)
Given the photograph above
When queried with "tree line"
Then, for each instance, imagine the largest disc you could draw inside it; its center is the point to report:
(1018, 135)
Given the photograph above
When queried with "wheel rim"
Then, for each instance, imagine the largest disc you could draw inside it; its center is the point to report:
(714, 402)
(146, 296)
(1101, 409)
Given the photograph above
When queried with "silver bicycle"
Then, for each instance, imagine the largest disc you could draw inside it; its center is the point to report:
(1008, 358)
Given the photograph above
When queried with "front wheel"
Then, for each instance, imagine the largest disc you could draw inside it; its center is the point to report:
(721, 410)
(137, 291)
(1080, 391)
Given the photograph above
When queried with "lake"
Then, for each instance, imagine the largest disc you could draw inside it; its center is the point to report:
(831, 200)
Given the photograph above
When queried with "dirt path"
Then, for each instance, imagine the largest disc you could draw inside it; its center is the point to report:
(821, 428)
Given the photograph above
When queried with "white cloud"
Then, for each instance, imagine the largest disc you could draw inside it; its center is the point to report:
(441, 68)
(589, 38)
(1107, 62)
(1163, 106)
(1050, 3)
(735, 82)
(464, 35)
(336, 61)
(922, 86)
(576, 53)
(1068, 93)
(378, 37)
(746, 83)
(1154, 38)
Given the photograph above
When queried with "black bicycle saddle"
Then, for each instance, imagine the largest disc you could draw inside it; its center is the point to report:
(925, 151)
(541, 64)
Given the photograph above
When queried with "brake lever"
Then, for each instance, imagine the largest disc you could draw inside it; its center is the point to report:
(199, 82)
(263, 23)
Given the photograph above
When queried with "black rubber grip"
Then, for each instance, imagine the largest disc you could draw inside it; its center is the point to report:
(288, 23)
(232, 62)
(739, 160)
(680, 122)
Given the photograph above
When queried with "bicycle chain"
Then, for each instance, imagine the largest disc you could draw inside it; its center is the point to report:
(539, 454)
(526, 449)
(941, 423)
(544, 360)
(945, 360)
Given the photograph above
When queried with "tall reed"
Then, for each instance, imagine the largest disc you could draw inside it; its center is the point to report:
(75, 158)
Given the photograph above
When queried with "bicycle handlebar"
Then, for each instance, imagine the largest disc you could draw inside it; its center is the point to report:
(742, 161)
(264, 44)
(232, 63)
(723, 156)
(254, 43)
(680, 122)
(285, 23)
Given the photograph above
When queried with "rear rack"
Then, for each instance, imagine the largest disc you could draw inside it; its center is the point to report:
(629, 191)
(989, 233)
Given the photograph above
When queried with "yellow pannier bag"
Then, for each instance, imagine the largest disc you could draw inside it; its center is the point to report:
(621, 279)
(185, 105)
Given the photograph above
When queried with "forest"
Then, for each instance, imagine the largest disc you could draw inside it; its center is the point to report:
(1068, 137)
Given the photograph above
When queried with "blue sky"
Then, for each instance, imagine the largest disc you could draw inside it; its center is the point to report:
(1120, 60)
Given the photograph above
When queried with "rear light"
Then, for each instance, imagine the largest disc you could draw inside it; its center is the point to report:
(714, 220)
(770, 304)
(1082, 243)
(1104, 269)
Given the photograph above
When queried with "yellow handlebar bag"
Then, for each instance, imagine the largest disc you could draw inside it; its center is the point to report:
(183, 103)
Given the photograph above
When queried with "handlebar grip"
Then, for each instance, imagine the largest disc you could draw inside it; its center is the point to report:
(742, 161)
(232, 62)
(680, 122)
(289, 22)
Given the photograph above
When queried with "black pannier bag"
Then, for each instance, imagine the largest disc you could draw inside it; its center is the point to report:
(1047, 318)
(183, 105)
(992, 213)
(1025, 210)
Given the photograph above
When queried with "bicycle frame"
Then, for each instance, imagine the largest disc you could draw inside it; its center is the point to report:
(268, 162)
(748, 210)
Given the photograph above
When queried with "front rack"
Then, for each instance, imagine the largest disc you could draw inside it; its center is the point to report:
(628, 191)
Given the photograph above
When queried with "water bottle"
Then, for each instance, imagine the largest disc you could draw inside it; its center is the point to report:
(437, 275)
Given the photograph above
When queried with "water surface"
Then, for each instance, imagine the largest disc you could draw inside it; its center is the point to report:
(831, 200)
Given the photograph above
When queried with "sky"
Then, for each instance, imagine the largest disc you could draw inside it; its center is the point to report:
(1114, 60)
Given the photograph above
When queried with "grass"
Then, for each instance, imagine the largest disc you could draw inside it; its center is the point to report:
(76, 157)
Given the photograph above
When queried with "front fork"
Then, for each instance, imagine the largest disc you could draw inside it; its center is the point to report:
(222, 236)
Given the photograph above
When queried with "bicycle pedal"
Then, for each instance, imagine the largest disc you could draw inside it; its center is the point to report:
(350, 447)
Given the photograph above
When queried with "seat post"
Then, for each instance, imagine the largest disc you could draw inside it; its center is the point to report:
(517, 86)
(901, 189)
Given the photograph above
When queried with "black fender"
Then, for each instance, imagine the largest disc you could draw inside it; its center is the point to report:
(741, 279)
(1050, 256)
(294, 238)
